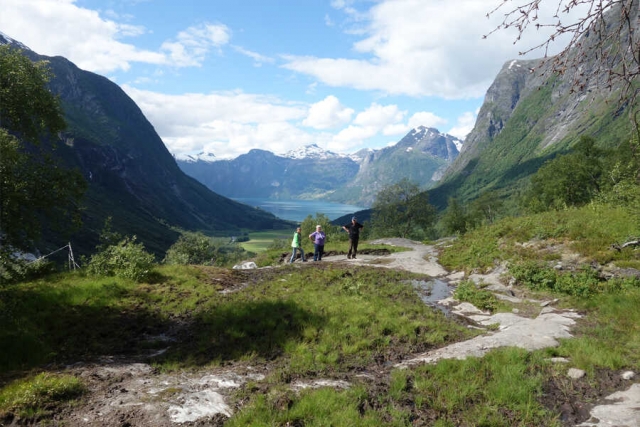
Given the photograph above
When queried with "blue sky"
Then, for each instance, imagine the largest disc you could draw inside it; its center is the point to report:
(227, 76)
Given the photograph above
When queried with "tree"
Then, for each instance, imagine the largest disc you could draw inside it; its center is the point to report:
(35, 190)
(605, 30)
(485, 208)
(192, 248)
(402, 210)
(569, 180)
(27, 107)
(454, 218)
(308, 226)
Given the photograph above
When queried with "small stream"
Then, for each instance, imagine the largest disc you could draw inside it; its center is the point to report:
(432, 291)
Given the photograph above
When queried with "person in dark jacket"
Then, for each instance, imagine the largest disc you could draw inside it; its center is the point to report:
(353, 228)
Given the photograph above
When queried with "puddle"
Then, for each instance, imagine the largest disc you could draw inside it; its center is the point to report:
(433, 291)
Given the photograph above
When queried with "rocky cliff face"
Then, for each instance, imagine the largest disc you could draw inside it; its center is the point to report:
(529, 115)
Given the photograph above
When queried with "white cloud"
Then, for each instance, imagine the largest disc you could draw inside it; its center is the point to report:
(257, 58)
(351, 138)
(464, 125)
(94, 42)
(420, 48)
(194, 43)
(328, 114)
(378, 116)
(428, 119)
(231, 123)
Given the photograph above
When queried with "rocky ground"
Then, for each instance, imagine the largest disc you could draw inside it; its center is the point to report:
(132, 393)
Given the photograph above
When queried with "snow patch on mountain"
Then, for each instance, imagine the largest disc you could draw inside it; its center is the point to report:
(5, 39)
(202, 156)
(311, 151)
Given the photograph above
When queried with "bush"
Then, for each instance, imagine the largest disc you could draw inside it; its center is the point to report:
(14, 268)
(469, 292)
(584, 283)
(126, 259)
(192, 248)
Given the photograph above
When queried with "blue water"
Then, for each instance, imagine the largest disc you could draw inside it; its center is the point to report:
(298, 210)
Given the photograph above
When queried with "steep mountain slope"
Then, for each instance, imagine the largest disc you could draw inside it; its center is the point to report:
(527, 118)
(313, 173)
(132, 176)
(421, 156)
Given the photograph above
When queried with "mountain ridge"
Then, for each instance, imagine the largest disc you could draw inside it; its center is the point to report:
(311, 172)
(132, 176)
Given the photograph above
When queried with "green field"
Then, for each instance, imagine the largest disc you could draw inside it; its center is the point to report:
(261, 240)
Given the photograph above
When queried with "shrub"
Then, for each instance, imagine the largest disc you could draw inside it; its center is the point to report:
(192, 248)
(469, 292)
(534, 275)
(126, 259)
(584, 283)
(14, 268)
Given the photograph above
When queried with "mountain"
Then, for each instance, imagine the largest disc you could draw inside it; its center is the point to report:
(313, 173)
(421, 156)
(132, 176)
(530, 115)
(308, 173)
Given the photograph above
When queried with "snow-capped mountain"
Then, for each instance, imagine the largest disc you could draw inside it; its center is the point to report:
(202, 156)
(312, 172)
(5, 39)
(311, 151)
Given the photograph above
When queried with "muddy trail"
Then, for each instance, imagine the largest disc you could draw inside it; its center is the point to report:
(130, 392)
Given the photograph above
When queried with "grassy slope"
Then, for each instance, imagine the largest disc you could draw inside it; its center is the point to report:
(295, 319)
(506, 163)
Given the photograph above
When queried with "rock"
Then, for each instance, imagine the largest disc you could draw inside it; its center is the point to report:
(576, 373)
(628, 375)
(247, 265)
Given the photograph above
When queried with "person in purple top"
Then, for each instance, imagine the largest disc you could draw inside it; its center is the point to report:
(318, 237)
(353, 228)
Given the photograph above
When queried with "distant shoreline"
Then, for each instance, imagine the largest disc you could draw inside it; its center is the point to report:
(298, 210)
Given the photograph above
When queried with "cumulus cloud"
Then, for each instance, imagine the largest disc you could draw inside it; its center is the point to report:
(225, 122)
(328, 114)
(419, 48)
(95, 42)
(425, 118)
(378, 116)
(464, 125)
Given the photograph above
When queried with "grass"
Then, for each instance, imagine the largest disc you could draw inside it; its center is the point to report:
(304, 311)
(331, 321)
(589, 231)
(261, 241)
(35, 397)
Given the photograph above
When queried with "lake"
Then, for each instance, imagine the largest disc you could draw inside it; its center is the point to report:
(298, 210)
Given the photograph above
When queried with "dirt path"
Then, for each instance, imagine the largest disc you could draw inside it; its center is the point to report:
(133, 394)
(420, 259)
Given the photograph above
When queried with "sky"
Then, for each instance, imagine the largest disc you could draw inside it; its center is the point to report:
(228, 76)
